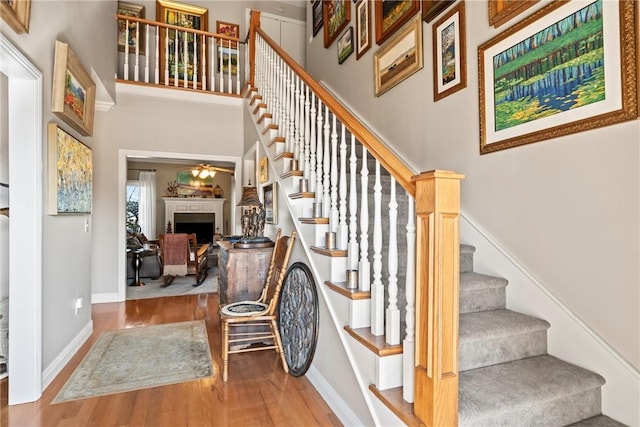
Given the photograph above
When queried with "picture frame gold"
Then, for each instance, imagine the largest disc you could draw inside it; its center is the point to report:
(70, 173)
(432, 8)
(501, 11)
(391, 16)
(561, 107)
(363, 27)
(336, 15)
(136, 11)
(449, 53)
(188, 16)
(263, 170)
(399, 58)
(228, 29)
(73, 94)
(270, 202)
(16, 13)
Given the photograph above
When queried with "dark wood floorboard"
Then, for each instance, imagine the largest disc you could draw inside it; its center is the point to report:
(258, 392)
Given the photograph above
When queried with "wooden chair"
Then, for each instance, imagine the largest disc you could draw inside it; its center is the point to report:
(257, 314)
(181, 256)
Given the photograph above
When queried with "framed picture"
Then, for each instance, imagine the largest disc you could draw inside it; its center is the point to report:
(391, 15)
(270, 197)
(73, 96)
(16, 14)
(363, 27)
(432, 8)
(263, 171)
(345, 45)
(501, 11)
(70, 165)
(228, 29)
(189, 186)
(227, 60)
(336, 15)
(568, 68)
(317, 16)
(187, 16)
(399, 58)
(136, 11)
(449, 53)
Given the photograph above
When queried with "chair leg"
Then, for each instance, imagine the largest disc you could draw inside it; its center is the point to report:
(225, 351)
(167, 280)
(279, 349)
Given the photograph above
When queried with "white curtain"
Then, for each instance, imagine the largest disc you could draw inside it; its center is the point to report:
(147, 204)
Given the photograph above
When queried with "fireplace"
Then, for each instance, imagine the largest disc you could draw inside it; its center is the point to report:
(203, 225)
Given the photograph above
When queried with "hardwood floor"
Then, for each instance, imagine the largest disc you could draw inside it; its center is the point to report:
(258, 392)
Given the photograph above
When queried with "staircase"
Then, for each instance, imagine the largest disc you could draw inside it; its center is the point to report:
(496, 367)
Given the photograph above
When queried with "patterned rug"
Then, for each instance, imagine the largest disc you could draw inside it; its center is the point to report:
(137, 358)
(180, 286)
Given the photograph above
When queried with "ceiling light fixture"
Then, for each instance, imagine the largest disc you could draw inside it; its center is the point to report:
(203, 171)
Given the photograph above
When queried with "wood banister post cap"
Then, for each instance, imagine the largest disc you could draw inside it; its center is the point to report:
(437, 173)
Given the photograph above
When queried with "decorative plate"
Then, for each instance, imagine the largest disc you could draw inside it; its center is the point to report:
(298, 318)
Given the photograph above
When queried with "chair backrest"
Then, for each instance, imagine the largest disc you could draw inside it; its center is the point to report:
(174, 248)
(277, 270)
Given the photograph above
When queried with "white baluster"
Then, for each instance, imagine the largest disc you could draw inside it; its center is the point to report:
(292, 114)
(286, 89)
(353, 208)
(156, 72)
(212, 64)
(333, 219)
(297, 122)
(136, 68)
(126, 51)
(342, 238)
(176, 59)
(377, 289)
(238, 89)
(307, 105)
(229, 73)
(166, 57)
(277, 107)
(326, 199)
(319, 157)
(392, 318)
(203, 79)
(364, 269)
(195, 61)
(300, 126)
(408, 345)
(146, 56)
(220, 57)
(313, 185)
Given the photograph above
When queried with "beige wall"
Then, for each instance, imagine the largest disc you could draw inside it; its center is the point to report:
(566, 209)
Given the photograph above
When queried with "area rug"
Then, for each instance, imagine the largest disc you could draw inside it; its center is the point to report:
(137, 358)
(180, 286)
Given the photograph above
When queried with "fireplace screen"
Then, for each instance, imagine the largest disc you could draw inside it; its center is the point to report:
(202, 224)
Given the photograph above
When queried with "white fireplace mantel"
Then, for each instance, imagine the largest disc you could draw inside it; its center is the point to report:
(174, 205)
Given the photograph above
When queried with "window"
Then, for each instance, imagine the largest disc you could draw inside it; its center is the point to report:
(133, 206)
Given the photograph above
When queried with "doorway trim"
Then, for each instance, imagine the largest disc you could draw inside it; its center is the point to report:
(25, 200)
(123, 157)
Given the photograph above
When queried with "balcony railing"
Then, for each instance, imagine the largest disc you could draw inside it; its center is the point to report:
(173, 56)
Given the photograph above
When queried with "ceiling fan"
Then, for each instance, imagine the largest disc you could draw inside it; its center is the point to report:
(206, 170)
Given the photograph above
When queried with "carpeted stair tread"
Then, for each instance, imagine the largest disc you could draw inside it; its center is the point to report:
(466, 258)
(466, 249)
(499, 336)
(476, 281)
(523, 392)
(480, 292)
(598, 421)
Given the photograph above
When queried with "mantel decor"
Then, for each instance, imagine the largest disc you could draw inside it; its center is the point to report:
(336, 15)
(70, 173)
(570, 67)
(16, 14)
(74, 93)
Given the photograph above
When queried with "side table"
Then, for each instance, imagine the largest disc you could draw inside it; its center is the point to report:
(137, 264)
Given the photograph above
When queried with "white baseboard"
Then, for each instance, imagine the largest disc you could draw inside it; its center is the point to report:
(569, 338)
(104, 298)
(338, 406)
(63, 358)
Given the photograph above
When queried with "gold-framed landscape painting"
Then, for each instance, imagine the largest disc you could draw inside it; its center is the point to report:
(263, 170)
(73, 95)
(391, 15)
(570, 67)
(136, 35)
(449, 53)
(70, 167)
(399, 58)
(501, 11)
(336, 15)
(16, 14)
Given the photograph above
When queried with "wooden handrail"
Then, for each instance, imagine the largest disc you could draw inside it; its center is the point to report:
(387, 158)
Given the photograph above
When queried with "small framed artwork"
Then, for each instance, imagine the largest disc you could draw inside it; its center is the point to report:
(227, 60)
(345, 45)
(317, 17)
(501, 11)
(449, 53)
(263, 171)
(399, 58)
(432, 8)
(70, 165)
(181, 65)
(228, 29)
(530, 91)
(16, 14)
(336, 15)
(73, 95)
(270, 198)
(134, 39)
(363, 27)
(391, 15)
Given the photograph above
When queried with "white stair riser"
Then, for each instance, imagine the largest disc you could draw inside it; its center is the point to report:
(335, 268)
(389, 372)
(314, 233)
(359, 314)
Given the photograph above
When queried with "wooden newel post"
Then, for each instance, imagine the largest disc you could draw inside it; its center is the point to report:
(437, 296)
(253, 24)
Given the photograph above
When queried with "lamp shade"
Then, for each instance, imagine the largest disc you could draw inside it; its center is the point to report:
(249, 197)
